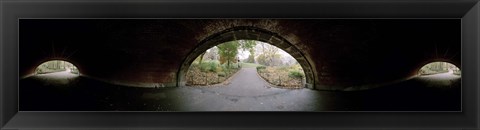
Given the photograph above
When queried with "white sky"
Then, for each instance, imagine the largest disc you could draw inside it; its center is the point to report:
(243, 54)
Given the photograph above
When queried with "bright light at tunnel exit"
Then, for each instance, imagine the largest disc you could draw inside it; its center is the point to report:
(439, 68)
(222, 61)
(57, 67)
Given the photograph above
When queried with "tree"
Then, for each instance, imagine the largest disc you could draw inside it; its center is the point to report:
(250, 59)
(250, 46)
(228, 52)
(212, 54)
(247, 44)
(267, 60)
(268, 54)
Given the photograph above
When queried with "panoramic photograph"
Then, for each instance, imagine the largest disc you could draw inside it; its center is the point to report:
(196, 65)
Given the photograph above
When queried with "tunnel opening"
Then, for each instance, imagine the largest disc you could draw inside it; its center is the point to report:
(55, 67)
(440, 74)
(249, 33)
(57, 72)
(215, 65)
(218, 65)
(439, 68)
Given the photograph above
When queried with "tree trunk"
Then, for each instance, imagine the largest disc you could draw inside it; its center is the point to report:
(201, 57)
(228, 64)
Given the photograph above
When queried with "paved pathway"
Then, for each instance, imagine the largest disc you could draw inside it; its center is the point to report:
(442, 76)
(58, 78)
(246, 82)
(247, 91)
(58, 75)
(440, 80)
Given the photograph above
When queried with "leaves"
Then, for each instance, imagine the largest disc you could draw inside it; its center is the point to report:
(228, 52)
(281, 77)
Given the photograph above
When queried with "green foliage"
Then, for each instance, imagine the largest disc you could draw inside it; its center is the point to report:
(209, 72)
(438, 67)
(228, 52)
(203, 67)
(43, 70)
(224, 68)
(260, 68)
(55, 66)
(295, 74)
(210, 66)
(261, 59)
(248, 44)
(250, 59)
(219, 68)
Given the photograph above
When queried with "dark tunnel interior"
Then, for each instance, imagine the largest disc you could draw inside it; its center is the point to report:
(139, 64)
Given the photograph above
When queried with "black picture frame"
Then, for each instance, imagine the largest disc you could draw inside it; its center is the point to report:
(11, 11)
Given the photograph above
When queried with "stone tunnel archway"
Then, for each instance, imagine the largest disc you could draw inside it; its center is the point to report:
(248, 33)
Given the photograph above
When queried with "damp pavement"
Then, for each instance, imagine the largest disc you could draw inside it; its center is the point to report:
(245, 92)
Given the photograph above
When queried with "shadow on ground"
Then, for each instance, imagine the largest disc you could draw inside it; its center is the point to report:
(79, 93)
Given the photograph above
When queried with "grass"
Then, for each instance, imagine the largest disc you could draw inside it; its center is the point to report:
(249, 65)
